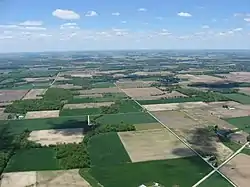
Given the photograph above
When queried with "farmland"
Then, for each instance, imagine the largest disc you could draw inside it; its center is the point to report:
(192, 115)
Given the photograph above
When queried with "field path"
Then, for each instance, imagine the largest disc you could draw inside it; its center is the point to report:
(182, 140)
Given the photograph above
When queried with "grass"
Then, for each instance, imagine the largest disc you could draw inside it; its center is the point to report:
(91, 180)
(103, 85)
(182, 172)
(171, 100)
(33, 160)
(215, 180)
(18, 126)
(235, 146)
(107, 149)
(242, 123)
(128, 118)
(244, 99)
(80, 112)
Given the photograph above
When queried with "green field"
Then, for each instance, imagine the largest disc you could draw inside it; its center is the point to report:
(172, 100)
(107, 149)
(18, 126)
(103, 85)
(33, 160)
(182, 172)
(128, 118)
(214, 181)
(243, 123)
(244, 99)
(123, 106)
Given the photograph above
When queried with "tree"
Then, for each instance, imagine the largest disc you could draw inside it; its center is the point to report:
(248, 138)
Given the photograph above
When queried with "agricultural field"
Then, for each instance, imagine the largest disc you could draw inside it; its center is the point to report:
(34, 94)
(99, 91)
(165, 172)
(147, 126)
(33, 160)
(238, 170)
(44, 179)
(244, 99)
(107, 149)
(241, 123)
(12, 95)
(215, 180)
(163, 145)
(57, 136)
(42, 114)
(134, 84)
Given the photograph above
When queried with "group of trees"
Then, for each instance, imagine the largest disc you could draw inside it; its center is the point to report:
(76, 155)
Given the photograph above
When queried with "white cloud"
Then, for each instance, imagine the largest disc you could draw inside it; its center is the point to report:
(65, 14)
(31, 23)
(34, 28)
(242, 14)
(237, 29)
(44, 35)
(247, 19)
(184, 14)
(205, 27)
(116, 14)
(91, 13)
(123, 22)
(9, 26)
(142, 9)
(69, 26)
(159, 18)
(5, 37)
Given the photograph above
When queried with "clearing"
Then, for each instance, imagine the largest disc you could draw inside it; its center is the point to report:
(12, 95)
(174, 106)
(98, 146)
(57, 136)
(34, 94)
(158, 144)
(87, 105)
(42, 114)
(238, 170)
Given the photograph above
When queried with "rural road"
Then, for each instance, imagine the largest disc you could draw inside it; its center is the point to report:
(183, 141)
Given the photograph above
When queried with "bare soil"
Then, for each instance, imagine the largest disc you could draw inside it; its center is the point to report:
(40, 79)
(245, 90)
(100, 91)
(18, 179)
(34, 94)
(145, 73)
(175, 119)
(147, 126)
(174, 106)
(200, 78)
(238, 170)
(65, 178)
(89, 95)
(12, 95)
(152, 145)
(87, 105)
(66, 86)
(238, 76)
(57, 136)
(42, 114)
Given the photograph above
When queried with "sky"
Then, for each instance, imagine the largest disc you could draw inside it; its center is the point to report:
(61, 25)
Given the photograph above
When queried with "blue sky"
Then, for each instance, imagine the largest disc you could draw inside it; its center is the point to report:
(31, 25)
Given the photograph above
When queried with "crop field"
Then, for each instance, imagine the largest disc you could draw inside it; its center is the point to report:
(44, 179)
(238, 76)
(34, 94)
(100, 91)
(42, 114)
(245, 90)
(18, 126)
(80, 112)
(238, 170)
(126, 118)
(134, 84)
(12, 95)
(176, 119)
(103, 85)
(33, 160)
(241, 123)
(40, 79)
(214, 181)
(163, 145)
(66, 86)
(147, 126)
(107, 149)
(57, 136)
(166, 172)
(87, 105)
(244, 99)
(174, 106)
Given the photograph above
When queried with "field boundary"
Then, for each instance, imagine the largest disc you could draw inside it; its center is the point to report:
(183, 141)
